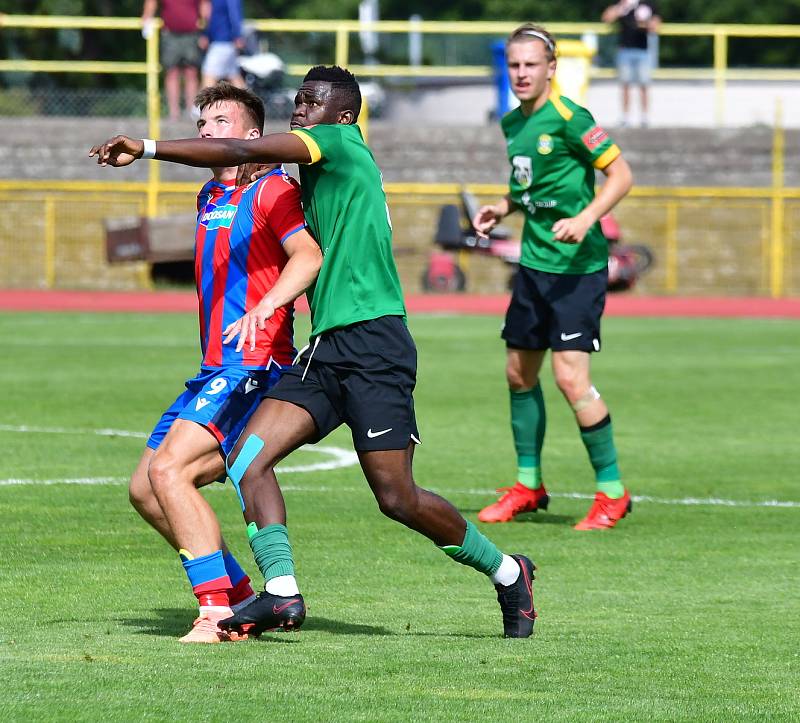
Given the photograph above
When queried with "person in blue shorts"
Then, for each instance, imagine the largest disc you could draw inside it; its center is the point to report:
(639, 23)
(253, 257)
(359, 368)
(223, 39)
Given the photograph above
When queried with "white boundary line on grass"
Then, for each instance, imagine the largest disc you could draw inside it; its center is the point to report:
(338, 457)
(346, 458)
(334, 464)
(24, 428)
(689, 501)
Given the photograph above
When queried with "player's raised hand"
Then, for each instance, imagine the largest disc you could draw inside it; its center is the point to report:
(485, 220)
(118, 151)
(247, 326)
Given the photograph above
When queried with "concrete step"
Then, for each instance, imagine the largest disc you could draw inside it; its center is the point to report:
(57, 148)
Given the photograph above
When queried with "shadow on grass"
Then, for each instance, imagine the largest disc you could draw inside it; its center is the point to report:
(548, 519)
(529, 517)
(169, 622)
(175, 622)
(337, 627)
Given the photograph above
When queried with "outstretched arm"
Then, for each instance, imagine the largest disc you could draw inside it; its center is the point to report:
(206, 152)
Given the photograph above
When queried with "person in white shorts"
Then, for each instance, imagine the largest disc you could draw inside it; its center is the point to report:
(223, 39)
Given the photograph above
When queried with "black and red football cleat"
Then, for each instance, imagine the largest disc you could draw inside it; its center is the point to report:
(267, 612)
(516, 601)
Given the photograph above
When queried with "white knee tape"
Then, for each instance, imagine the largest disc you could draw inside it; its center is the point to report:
(591, 395)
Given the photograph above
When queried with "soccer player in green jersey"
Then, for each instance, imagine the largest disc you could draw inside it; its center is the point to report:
(360, 366)
(554, 147)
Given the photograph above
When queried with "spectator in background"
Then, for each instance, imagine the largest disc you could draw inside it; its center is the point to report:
(180, 48)
(638, 24)
(223, 38)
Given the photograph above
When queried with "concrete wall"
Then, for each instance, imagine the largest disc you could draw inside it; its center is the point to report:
(53, 148)
(722, 246)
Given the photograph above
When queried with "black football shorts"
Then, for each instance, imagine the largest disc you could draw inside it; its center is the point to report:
(362, 375)
(555, 311)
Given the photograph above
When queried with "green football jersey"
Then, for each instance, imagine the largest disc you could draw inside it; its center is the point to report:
(346, 211)
(553, 154)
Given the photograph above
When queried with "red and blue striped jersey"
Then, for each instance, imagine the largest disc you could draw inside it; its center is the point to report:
(238, 257)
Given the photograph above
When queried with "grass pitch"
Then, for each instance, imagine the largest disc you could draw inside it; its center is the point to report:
(683, 612)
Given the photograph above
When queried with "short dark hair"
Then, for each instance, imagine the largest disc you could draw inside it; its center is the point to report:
(225, 91)
(531, 31)
(343, 83)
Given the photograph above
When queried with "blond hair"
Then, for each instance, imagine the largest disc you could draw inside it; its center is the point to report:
(531, 31)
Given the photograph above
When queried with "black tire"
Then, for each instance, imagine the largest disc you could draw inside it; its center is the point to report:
(644, 256)
(442, 284)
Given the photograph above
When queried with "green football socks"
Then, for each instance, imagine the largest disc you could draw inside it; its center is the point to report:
(528, 421)
(271, 549)
(476, 551)
(599, 442)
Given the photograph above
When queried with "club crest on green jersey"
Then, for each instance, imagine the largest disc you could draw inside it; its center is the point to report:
(523, 170)
(545, 144)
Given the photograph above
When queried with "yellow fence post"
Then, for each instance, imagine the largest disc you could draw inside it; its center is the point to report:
(49, 242)
(720, 67)
(342, 45)
(777, 242)
(765, 243)
(363, 119)
(154, 131)
(671, 243)
(153, 117)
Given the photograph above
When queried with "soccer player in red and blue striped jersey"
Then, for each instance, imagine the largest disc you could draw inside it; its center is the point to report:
(253, 257)
(364, 372)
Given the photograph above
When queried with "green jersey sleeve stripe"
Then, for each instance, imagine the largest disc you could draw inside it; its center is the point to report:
(559, 105)
(311, 144)
(609, 155)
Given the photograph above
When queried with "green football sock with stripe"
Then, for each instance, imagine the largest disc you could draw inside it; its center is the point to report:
(528, 422)
(599, 442)
(476, 551)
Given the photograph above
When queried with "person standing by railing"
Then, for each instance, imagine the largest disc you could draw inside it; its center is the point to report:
(180, 49)
(223, 38)
(639, 23)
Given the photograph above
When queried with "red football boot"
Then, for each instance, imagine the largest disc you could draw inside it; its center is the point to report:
(516, 499)
(605, 512)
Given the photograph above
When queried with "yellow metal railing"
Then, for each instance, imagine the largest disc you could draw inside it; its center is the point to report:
(341, 30)
(675, 199)
(149, 68)
(750, 230)
(720, 34)
(778, 243)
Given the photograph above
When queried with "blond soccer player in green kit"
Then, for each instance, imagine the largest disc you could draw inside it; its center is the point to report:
(360, 367)
(554, 147)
